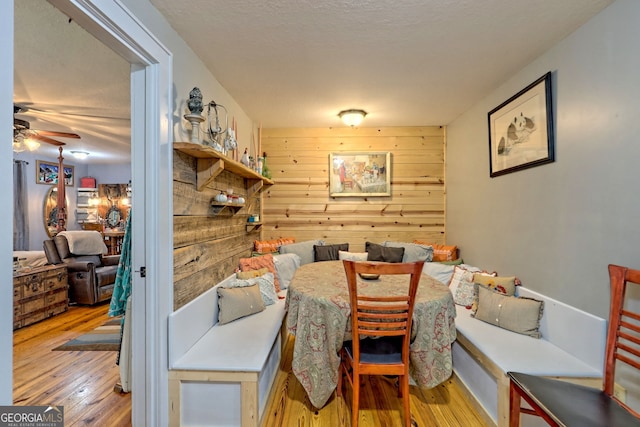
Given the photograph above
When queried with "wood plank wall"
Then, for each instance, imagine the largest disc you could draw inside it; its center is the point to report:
(299, 205)
(207, 247)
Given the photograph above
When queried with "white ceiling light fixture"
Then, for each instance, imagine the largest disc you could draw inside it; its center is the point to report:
(22, 141)
(31, 144)
(352, 117)
(80, 154)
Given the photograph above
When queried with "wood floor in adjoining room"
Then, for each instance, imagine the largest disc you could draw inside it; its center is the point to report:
(83, 382)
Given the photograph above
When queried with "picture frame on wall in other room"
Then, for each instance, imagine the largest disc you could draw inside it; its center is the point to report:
(47, 173)
(521, 130)
(360, 174)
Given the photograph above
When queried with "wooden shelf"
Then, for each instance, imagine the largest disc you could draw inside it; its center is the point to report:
(211, 163)
(219, 207)
(253, 226)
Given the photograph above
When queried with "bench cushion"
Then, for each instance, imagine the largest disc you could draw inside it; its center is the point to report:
(521, 353)
(242, 345)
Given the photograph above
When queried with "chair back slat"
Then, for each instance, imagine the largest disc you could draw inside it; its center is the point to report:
(381, 315)
(621, 345)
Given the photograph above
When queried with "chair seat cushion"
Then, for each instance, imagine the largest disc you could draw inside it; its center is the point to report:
(106, 275)
(383, 350)
(572, 404)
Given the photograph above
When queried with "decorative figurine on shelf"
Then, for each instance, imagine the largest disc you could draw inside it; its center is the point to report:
(195, 116)
(195, 101)
(230, 142)
(266, 172)
(245, 158)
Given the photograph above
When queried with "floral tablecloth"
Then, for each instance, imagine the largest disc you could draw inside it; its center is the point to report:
(319, 317)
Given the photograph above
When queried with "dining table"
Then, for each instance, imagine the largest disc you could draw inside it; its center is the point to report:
(319, 315)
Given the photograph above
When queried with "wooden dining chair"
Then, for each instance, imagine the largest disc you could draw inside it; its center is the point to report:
(562, 403)
(381, 329)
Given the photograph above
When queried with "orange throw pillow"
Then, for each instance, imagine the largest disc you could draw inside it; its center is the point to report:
(258, 262)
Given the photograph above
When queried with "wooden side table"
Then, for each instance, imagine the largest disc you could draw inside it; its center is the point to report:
(39, 293)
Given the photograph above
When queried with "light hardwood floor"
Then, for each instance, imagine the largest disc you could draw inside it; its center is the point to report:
(83, 383)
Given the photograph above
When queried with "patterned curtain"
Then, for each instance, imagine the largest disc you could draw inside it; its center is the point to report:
(122, 287)
(20, 206)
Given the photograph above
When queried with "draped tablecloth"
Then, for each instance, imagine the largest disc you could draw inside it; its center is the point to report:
(319, 317)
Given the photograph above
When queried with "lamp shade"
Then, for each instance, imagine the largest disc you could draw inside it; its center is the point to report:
(352, 117)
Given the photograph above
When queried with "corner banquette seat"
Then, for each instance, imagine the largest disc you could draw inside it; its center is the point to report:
(92, 275)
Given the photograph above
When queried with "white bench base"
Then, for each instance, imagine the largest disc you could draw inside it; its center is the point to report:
(483, 354)
(221, 375)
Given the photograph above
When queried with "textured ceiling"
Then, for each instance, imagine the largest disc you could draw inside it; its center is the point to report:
(293, 63)
(70, 82)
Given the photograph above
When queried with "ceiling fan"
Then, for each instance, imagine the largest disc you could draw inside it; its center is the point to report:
(25, 138)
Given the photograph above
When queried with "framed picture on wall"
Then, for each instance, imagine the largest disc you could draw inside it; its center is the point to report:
(521, 130)
(47, 173)
(360, 174)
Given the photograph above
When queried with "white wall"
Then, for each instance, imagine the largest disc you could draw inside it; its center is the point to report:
(104, 174)
(558, 226)
(189, 71)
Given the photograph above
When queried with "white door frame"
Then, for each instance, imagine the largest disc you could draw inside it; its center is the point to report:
(151, 137)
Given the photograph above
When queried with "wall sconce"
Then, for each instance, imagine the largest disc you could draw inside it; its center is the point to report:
(352, 117)
(94, 199)
(80, 155)
(126, 201)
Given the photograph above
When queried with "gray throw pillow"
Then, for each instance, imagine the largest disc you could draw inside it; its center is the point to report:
(383, 253)
(517, 314)
(234, 303)
(303, 249)
(413, 252)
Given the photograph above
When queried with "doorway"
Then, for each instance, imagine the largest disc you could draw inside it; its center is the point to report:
(151, 149)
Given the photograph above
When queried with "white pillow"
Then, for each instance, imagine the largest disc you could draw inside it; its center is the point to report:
(440, 272)
(352, 256)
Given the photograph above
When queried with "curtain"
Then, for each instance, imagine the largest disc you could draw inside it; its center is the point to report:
(122, 286)
(20, 206)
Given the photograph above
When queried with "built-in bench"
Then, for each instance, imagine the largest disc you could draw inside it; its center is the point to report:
(572, 345)
(221, 375)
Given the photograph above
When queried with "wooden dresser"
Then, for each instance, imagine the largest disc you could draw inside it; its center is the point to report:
(39, 293)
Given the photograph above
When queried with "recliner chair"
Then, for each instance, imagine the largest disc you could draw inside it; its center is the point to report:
(91, 277)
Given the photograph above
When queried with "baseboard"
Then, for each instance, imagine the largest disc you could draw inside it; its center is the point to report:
(474, 402)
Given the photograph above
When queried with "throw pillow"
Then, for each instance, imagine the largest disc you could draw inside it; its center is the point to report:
(286, 266)
(412, 252)
(234, 303)
(438, 271)
(328, 252)
(441, 252)
(461, 284)
(517, 314)
(258, 262)
(505, 285)
(352, 256)
(303, 249)
(383, 253)
(264, 282)
(244, 275)
(271, 246)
